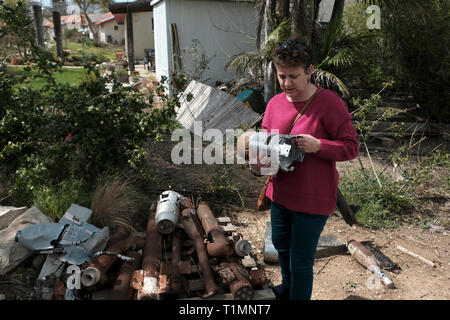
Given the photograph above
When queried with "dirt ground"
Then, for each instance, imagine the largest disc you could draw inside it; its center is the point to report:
(338, 276)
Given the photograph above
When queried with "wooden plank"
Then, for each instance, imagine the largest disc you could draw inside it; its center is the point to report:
(228, 228)
(223, 220)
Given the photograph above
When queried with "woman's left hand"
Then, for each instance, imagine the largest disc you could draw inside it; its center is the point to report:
(307, 143)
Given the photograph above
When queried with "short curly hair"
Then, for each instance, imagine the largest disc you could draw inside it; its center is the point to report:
(292, 53)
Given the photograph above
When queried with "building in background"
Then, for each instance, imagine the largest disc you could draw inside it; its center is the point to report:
(49, 31)
(111, 28)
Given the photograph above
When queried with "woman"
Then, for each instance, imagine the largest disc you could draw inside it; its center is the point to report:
(303, 199)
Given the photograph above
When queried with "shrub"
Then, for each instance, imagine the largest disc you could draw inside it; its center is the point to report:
(378, 206)
(63, 132)
(55, 200)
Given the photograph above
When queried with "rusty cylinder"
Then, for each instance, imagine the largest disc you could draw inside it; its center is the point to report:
(191, 227)
(220, 245)
(122, 289)
(95, 271)
(186, 203)
(146, 280)
(361, 254)
(175, 283)
(238, 280)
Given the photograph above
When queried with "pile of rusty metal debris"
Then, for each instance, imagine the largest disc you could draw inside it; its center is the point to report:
(185, 253)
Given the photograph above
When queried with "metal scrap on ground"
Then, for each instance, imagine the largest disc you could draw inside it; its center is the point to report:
(185, 253)
(215, 108)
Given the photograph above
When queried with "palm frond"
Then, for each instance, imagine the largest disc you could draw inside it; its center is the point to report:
(242, 62)
(280, 33)
(327, 79)
(342, 59)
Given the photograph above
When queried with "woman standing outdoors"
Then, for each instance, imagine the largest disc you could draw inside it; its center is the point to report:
(303, 199)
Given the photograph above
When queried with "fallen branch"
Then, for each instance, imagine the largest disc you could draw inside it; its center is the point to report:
(415, 255)
(325, 264)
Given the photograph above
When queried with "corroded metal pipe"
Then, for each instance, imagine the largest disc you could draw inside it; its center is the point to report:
(186, 203)
(237, 278)
(118, 242)
(122, 289)
(96, 271)
(193, 230)
(146, 281)
(175, 283)
(220, 245)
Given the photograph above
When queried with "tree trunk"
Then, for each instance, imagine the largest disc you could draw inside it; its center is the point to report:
(84, 6)
(282, 8)
(303, 13)
(338, 11)
(130, 40)
(298, 23)
(58, 34)
(269, 75)
(37, 11)
(92, 28)
(259, 25)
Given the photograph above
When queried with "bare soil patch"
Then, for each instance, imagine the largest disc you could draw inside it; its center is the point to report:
(337, 276)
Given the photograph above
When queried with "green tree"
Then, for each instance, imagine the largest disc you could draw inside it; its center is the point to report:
(85, 6)
(16, 27)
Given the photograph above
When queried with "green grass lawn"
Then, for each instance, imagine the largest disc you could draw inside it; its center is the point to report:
(77, 48)
(72, 76)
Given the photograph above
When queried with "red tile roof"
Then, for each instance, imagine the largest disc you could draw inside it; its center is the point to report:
(109, 17)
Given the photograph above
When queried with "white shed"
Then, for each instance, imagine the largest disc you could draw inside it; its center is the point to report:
(218, 28)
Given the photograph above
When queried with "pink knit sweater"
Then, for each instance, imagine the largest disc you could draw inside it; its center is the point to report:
(312, 186)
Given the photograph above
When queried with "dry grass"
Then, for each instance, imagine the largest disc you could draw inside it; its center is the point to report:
(115, 201)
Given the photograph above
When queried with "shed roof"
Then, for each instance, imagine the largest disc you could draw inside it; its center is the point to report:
(135, 6)
(47, 24)
(109, 17)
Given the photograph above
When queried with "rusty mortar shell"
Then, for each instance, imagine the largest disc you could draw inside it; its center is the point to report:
(257, 277)
(237, 279)
(122, 290)
(96, 270)
(192, 228)
(361, 254)
(175, 283)
(220, 245)
(186, 203)
(243, 248)
(241, 290)
(167, 211)
(145, 281)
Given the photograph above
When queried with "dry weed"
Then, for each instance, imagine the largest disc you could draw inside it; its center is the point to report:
(115, 201)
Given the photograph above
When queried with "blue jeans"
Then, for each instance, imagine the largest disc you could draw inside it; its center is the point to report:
(295, 236)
